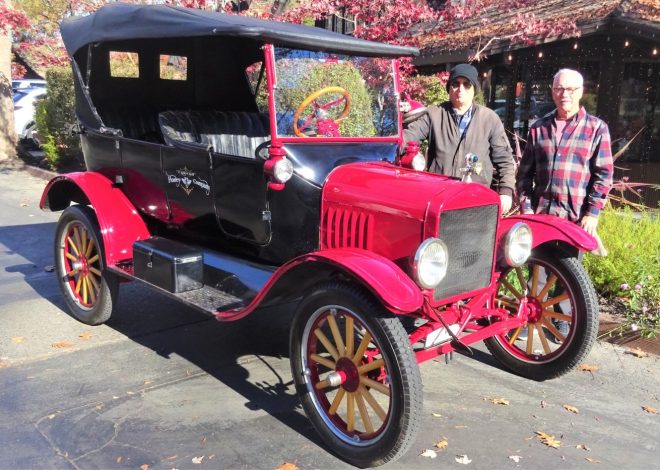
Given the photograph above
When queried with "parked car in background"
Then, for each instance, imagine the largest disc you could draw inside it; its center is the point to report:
(25, 100)
(27, 83)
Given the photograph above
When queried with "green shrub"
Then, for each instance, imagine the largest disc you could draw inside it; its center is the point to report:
(631, 271)
(55, 116)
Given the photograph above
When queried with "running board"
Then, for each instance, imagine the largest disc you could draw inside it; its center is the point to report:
(212, 282)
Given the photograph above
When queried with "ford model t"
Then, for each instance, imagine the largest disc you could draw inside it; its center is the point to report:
(234, 163)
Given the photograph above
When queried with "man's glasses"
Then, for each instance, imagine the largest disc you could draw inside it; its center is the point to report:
(560, 90)
(455, 84)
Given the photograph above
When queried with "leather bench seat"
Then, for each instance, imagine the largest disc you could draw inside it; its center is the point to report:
(134, 123)
(228, 132)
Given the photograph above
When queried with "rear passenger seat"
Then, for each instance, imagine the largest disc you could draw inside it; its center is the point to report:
(134, 123)
(228, 132)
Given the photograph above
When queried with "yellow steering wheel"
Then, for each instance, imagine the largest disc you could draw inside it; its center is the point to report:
(311, 99)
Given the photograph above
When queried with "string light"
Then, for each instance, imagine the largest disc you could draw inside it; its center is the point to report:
(575, 46)
(510, 57)
(485, 74)
(655, 51)
(540, 55)
(626, 44)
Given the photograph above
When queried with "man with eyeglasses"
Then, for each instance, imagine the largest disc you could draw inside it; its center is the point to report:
(566, 168)
(460, 127)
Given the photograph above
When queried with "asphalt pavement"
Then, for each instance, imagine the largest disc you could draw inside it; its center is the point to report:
(163, 386)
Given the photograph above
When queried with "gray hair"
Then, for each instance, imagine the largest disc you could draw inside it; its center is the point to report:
(569, 72)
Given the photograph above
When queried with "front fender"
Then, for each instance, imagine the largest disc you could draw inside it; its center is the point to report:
(120, 223)
(547, 228)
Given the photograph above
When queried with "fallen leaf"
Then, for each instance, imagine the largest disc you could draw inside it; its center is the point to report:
(548, 440)
(428, 453)
(544, 403)
(463, 459)
(442, 444)
(118, 460)
(637, 352)
(287, 466)
(24, 204)
(197, 460)
(51, 416)
(583, 447)
(591, 460)
(515, 458)
(211, 457)
(99, 407)
(49, 269)
(572, 409)
(650, 409)
(460, 426)
(148, 382)
(437, 415)
(171, 457)
(144, 467)
(499, 401)
(588, 367)
(18, 339)
(85, 335)
(62, 344)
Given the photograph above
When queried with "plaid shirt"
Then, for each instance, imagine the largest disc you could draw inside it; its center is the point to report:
(462, 120)
(571, 178)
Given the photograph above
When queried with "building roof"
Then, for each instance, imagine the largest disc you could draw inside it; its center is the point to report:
(588, 15)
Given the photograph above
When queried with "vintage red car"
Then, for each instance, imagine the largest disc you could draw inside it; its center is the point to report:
(235, 163)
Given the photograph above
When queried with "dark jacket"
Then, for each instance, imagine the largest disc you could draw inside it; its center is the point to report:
(484, 137)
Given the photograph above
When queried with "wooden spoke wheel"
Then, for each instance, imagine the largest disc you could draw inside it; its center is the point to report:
(356, 375)
(547, 290)
(89, 291)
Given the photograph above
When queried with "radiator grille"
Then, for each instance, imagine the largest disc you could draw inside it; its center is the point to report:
(346, 228)
(470, 238)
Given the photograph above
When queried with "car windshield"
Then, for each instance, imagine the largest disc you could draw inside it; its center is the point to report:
(332, 95)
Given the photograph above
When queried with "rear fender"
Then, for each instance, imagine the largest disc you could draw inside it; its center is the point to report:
(548, 228)
(384, 279)
(118, 219)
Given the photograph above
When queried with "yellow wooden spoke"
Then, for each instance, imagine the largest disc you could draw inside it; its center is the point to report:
(76, 237)
(326, 342)
(321, 385)
(357, 357)
(337, 401)
(364, 414)
(84, 289)
(535, 279)
(530, 340)
(384, 389)
(323, 361)
(511, 289)
(556, 315)
(515, 334)
(551, 282)
(92, 292)
(336, 335)
(544, 340)
(506, 303)
(95, 271)
(377, 364)
(71, 257)
(350, 336)
(73, 246)
(372, 402)
(78, 284)
(90, 247)
(350, 411)
(93, 259)
(83, 241)
(93, 281)
(521, 278)
(555, 300)
(73, 272)
(548, 324)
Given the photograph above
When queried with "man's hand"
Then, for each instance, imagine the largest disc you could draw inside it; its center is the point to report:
(589, 224)
(505, 201)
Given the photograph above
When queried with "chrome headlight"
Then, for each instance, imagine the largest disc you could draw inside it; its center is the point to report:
(283, 170)
(518, 244)
(430, 264)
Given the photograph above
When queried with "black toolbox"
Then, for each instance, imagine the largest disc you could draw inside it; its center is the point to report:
(168, 264)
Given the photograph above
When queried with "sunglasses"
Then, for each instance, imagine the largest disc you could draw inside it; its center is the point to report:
(456, 84)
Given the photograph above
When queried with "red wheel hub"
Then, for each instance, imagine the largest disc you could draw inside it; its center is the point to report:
(350, 371)
(533, 310)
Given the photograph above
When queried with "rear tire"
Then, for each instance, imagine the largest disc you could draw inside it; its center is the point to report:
(89, 290)
(373, 416)
(538, 357)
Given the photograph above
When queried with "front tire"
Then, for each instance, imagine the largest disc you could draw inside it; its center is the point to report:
(546, 353)
(89, 290)
(356, 375)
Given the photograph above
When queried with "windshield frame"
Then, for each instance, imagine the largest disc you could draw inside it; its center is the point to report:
(277, 140)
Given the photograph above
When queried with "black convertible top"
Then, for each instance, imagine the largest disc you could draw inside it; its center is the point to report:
(120, 21)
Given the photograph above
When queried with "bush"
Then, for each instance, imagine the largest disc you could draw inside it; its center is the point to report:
(55, 116)
(631, 271)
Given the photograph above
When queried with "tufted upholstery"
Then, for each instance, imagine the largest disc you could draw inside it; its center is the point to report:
(136, 123)
(228, 132)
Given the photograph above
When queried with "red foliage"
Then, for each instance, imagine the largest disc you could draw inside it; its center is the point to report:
(17, 71)
(12, 19)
